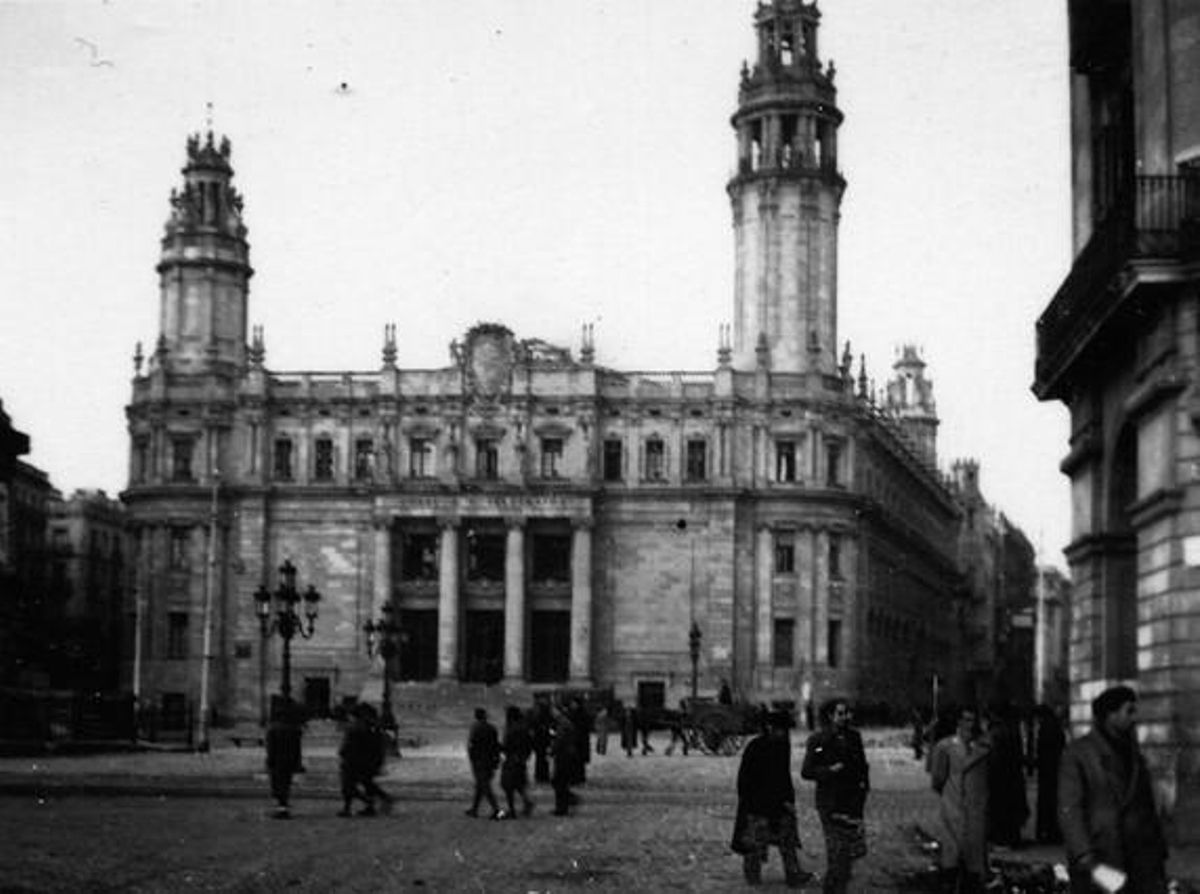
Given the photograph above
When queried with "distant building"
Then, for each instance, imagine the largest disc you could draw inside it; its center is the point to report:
(89, 579)
(1117, 345)
(534, 518)
(1053, 629)
(25, 605)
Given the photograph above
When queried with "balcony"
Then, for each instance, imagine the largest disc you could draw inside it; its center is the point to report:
(1157, 223)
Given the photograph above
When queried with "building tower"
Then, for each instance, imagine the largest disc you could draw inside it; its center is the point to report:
(204, 271)
(786, 194)
(910, 400)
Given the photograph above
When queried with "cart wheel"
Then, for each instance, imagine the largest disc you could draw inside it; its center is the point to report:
(731, 744)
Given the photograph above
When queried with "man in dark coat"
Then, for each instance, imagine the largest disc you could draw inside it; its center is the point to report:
(1008, 807)
(1050, 740)
(1105, 806)
(514, 774)
(283, 755)
(541, 728)
(766, 812)
(834, 758)
(483, 751)
(361, 759)
(564, 750)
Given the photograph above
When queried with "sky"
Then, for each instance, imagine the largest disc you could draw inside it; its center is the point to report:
(540, 163)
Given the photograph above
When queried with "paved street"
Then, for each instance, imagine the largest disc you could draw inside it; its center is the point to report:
(182, 822)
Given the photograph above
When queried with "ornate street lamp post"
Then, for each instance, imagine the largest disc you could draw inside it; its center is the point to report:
(385, 638)
(278, 612)
(694, 636)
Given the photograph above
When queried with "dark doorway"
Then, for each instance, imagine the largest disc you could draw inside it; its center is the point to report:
(484, 647)
(550, 646)
(316, 696)
(418, 644)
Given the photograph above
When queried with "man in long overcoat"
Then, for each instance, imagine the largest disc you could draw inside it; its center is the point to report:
(959, 774)
(283, 755)
(1105, 805)
(766, 811)
(483, 751)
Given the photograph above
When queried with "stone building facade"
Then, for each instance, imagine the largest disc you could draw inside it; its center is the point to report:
(1117, 345)
(533, 517)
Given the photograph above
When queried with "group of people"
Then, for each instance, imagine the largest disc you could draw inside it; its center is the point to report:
(835, 760)
(559, 738)
(1093, 795)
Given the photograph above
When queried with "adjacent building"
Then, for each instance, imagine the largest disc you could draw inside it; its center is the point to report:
(1117, 345)
(531, 516)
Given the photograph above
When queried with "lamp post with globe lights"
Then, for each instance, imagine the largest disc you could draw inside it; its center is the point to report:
(281, 612)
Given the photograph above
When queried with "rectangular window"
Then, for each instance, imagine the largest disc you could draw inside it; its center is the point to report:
(181, 458)
(834, 644)
(364, 459)
(835, 556)
(552, 455)
(656, 467)
(485, 557)
(783, 644)
(785, 553)
(282, 465)
(487, 459)
(613, 457)
(833, 463)
(551, 558)
(323, 466)
(419, 557)
(697, 460)
(420, 458)
(179, 548)
(785, 460)
(177, 635)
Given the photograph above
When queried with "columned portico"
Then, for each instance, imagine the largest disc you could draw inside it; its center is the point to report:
(581, 603)
(514, 601)
(448, 601)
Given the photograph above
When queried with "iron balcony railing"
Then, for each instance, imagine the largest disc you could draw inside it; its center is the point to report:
(1157, 218)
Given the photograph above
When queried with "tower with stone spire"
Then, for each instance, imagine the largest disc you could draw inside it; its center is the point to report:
(910, 400)
(204, 269)
(786, 195)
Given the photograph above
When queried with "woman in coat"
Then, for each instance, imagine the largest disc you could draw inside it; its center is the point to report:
(959, 771)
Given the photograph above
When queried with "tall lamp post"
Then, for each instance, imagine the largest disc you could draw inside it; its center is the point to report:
(694, 637)
(384, 638)
(279, 612)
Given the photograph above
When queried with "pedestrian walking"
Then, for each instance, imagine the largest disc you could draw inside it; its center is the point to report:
(835, 760)
(514, 773)
(564, 749)
(483, 751)
(1049, 741)
(581, 722)
(541, 728)
(958, 767)
(283, 755)
(766, 811)
(601, 724)
(361, 759)
(1008, 806)
(1106, 809)
(629, 727)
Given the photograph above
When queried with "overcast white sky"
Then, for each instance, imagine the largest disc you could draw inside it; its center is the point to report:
(541, 163)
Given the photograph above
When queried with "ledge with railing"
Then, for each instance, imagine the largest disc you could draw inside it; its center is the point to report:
(1157, 219)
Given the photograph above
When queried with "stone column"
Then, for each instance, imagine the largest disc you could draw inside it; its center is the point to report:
(448, 601)
(581, 603)
(514, 601)
(764, 572)
(383, 565)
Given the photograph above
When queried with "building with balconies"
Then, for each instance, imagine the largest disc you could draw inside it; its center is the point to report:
(1117, 345)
